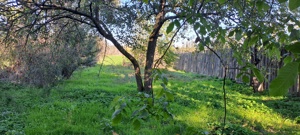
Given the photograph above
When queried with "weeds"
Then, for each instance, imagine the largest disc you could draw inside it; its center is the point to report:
(81, 105)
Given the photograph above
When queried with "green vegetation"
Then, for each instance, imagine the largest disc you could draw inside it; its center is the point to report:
(82, 105)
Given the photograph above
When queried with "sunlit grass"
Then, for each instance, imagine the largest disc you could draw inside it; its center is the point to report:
(81, 105)
(113, 60)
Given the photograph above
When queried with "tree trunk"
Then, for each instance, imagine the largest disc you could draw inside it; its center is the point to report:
(253, 80)
(251, 72)
(159, 21)
(149, 63)
(151, 48)
(298, 93)
(108, 35)
(137, 69)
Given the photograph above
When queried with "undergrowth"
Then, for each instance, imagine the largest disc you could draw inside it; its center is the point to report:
(82, 105)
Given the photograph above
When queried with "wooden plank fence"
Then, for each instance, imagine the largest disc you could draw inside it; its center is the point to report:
(207, 63)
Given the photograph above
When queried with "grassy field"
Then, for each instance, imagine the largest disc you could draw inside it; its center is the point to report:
(82, 106)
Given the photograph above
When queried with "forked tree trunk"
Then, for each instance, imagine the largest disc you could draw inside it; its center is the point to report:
(159, 21)
(152, 46)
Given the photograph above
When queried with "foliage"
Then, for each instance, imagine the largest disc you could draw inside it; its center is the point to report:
(15, 99)
(297, 119)
(11, 123)
(285, 79)
(46, 59)
(245, 26)
(81, 105)
(142, 106)
(140, 109)
(139, 50)
(230, 129)
(249, 28)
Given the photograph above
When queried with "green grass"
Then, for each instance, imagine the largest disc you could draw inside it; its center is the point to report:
(81, 106)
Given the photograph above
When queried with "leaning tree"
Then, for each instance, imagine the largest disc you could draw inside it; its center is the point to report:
(116, 21)
(111, 19)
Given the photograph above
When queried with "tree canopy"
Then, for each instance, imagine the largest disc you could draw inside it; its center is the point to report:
(243, 25)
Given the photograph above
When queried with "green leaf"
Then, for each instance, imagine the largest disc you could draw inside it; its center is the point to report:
(145, 1)
(202, 30)
(114, 102)
(191, 2)
(160, 92)
(143, 107)
(286, 78)
(239, 75)
(203, 21)
(191, 20)
(245, 79)
(294, 48)
(238, 34)
(230, 33)
(262, 6)
(170, 27)
(290, 27)
(201, 47)
(117, 112)
(196, 26)
(170, 96)
(222, 1)
(165, 80)
(258, 74)
(253, 40)
(265, 7)
(117, 119)
(287, 60)
(282, 1)
(298, 60)
(123, 105)
(177, 23)
(293, 4)
(294, 34)
(144, 114)
(136, 124)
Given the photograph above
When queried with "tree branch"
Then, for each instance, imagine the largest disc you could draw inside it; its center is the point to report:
(158, 62)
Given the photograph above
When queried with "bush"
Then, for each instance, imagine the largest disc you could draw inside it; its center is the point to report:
(46, 59)
(297, 119)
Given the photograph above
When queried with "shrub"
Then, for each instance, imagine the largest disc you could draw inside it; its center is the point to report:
(297, 119)
(45, 59)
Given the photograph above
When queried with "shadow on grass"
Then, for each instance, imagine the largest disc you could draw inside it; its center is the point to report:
(198, 105)
(247, 113)
(288, 108)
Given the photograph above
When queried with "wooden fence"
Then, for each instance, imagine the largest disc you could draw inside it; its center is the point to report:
(207, 63)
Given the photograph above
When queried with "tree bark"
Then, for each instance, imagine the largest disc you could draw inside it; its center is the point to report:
(152, 43)
(105, 32)
(108, 35)
(298, 94)
(253, 80)
(149, 63)
(137, 69)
